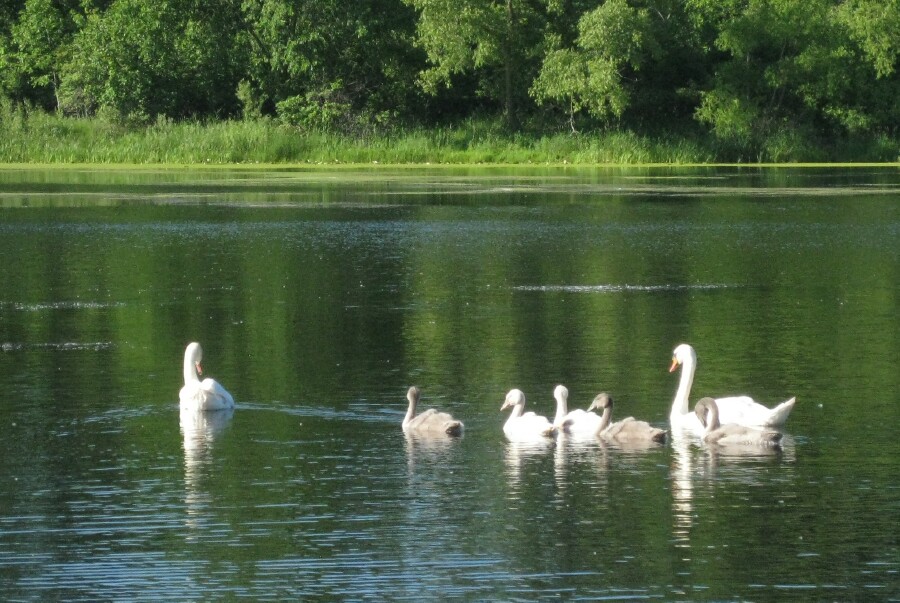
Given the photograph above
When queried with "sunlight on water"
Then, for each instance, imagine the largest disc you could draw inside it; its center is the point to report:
(319, 301)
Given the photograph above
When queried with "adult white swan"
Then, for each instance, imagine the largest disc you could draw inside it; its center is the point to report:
(628, 429)
(201, 395)
(740, 410)
(731, 434)
(430, 422)
(577, 422)
(527, 425)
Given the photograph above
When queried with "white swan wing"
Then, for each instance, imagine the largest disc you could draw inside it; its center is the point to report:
(205, 395)
(581, 422)
(744, 410)
(528, 425)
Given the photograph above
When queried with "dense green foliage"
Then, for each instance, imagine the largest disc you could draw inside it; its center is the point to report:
(756, 79)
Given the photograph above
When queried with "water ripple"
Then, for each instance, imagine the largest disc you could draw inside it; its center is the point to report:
(621, 288)
(62, 346)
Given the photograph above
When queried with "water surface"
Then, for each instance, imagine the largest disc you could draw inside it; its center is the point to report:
(319, 297)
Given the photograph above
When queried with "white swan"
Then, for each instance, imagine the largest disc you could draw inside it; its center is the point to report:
(715, 433)
(741, 410)
(201, 395)
(577, 422)
(527, 425)
(429, 422)
(626, 430)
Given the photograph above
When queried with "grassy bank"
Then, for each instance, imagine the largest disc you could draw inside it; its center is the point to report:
(36, 137)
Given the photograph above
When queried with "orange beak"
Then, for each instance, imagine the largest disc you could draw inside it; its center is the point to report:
(674, 366)
(199, 368)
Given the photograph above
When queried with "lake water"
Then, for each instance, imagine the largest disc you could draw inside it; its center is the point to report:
(321, 296)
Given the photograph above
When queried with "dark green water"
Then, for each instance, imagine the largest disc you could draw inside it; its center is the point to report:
(320, 297)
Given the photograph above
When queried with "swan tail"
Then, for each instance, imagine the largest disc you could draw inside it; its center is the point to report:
(780, 413)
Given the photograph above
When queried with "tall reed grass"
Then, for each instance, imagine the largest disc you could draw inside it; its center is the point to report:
(28, 136)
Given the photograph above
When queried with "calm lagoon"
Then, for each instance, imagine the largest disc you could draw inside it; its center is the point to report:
(320, 296)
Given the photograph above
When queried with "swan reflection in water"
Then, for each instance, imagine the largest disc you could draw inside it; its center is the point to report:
(696, 465)
(520, 450)
(682, 486)
(428, 448)
(199, 430)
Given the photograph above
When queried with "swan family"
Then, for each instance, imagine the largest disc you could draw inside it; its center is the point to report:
(736, 420)
(741, 410)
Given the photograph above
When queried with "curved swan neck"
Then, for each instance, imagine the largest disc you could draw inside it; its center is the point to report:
(516, 399)
(413, 396)
(605, 418)
(712, 420)
(605, 402)
(708, 413)
(191, 359)
(562, 407)
(680, 405)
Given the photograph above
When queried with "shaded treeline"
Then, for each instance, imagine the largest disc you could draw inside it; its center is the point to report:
(749, 74)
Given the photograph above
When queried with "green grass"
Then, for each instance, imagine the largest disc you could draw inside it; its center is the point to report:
(37, 137)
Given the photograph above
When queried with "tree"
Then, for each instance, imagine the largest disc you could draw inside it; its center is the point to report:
(36, 49)
(612, 39)
(875, 26)
(494, 38)
(319, 62)
(138, 59)
(809, 67)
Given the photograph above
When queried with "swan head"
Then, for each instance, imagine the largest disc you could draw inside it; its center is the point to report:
(193, 354)
(601, 401)
(682, 354)
(561, 392)
(515, 397)
(704, 407)
(413, 395)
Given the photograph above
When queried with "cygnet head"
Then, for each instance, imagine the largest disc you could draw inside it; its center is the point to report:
(515, 397)
(413, 394)
(681, 354)
(704, 407)
(561, 392)
(601, 401)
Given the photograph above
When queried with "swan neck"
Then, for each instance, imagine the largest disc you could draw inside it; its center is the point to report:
(605, 419)
(712, 418)
(562, 409)
(411, 411)
(681, 406)
(190, 369)
(517, 411)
